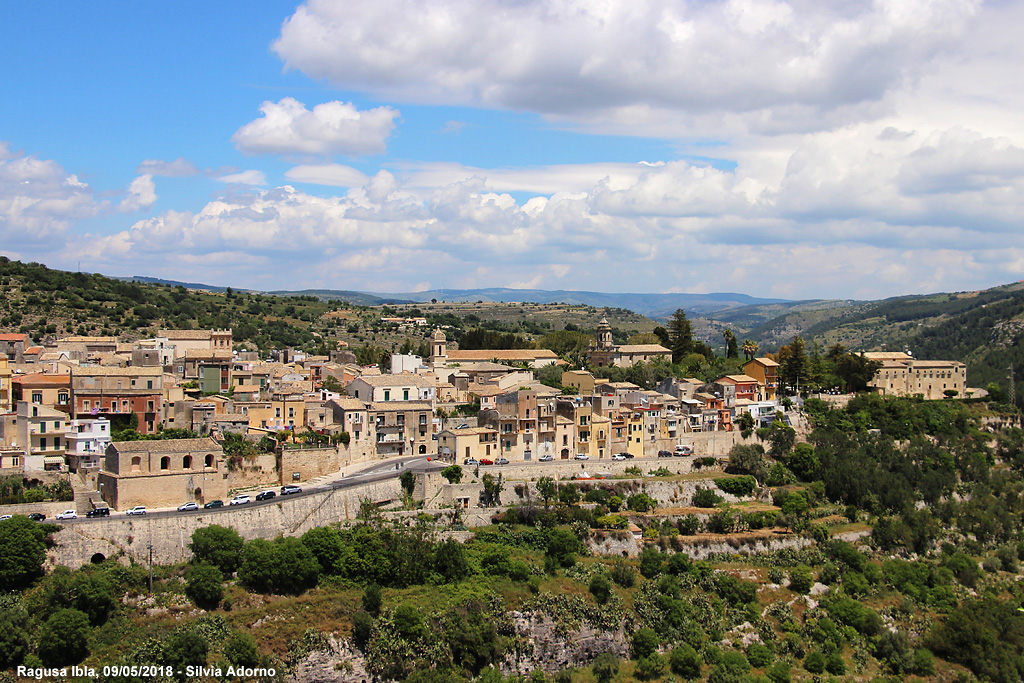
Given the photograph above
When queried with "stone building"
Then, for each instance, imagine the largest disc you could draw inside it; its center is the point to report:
(163, 473)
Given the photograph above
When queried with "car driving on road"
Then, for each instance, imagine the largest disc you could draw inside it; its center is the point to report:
(214, 504)
(266, 495)
(545, 458)
(241, 499)
(67, 514)
(188, 507)
(137, 510)
(289, 489)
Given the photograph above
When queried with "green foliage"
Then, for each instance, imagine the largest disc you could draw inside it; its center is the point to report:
(651, 561)
(450, 561)
(22, 552)
(814, 662)
(453, 473)
(562, 547)
(801, 579)
(63, 638)
(185, 648)
(204, 584)
(641, 502)
(605, 667)
(219, 546)
(241, 650)
(13, 636)
(986, 635)
(706, 498)
(685, 662)
(408, 481)
(623, 574)
(759, 655)
(362, 628)
(601, 588)
(650, 668)
(644, 643)
(737, 486)
(748, 459)
(372, 599)
(733, 668)
(284, 565)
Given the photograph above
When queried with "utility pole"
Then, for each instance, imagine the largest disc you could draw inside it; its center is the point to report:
(150, 568)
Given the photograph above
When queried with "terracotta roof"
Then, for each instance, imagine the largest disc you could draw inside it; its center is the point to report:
(79, 339)
(348, 403)
(184, 335)
(13, 337)
(206, 354)
(471, 430)
(166, 445)
(400, 405)
(246, 388)
(400, 379)
(737, 379)
(504, 354)
(643, 348)
(32, 350)
(41, 378)
(94, 371)
(887, 355)
(767, 362)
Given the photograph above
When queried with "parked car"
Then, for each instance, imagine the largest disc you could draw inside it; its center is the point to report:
(242, 499)
(463, 426)
(98, 512)
(214, 504)
(137, 510)
(502, 461)
(618, 456)
(546, 458)
(582, 456)
(266, 495)
(486, 461)
(289, 489)
(470, 461)
(67, 514)
(664, 454)
(5, 517)
(188, 507)
(36, 516)
(682, 450)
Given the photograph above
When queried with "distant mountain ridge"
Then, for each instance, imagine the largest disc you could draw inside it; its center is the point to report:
(657, 306)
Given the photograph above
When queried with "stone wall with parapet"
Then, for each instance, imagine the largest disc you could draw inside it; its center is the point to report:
(76, 544)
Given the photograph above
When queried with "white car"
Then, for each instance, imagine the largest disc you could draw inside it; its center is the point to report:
(582, 456)
(6, 517)
(67, 514)
(546, 458)
(188, 507)
(240, 500)
(137, 510)
(618, 456)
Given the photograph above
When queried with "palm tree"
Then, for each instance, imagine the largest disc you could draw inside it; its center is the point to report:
(750, 348)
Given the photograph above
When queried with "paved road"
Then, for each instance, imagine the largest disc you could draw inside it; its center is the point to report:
(375, 472)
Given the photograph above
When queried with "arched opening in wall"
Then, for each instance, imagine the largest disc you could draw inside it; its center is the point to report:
(98, 558)
(565, 454)
(165, 463)
(136, 464)
(209, 460)
(186, 462)
(423, 450)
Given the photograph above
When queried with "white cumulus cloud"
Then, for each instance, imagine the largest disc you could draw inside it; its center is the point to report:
(287, 127)
(141, 195)
(179, 168)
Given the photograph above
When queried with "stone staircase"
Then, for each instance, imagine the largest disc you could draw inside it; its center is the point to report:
(87, 499)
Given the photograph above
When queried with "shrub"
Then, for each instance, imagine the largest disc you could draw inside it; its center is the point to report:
(650, 667)
(650, 562)
(737, 486)
(63, 639)
(219, 546)
(759, 655)
(362, 627)
(600, 588)
(689, 525)
(372, 599)
(644, 643)
(706, 498)
(623, 574)
(779, 672)
(605, 667)
(801, 579)
(241, 650)
(733, 668)
(815, 662)
(641, 502)
(204, 585)
(684, 661)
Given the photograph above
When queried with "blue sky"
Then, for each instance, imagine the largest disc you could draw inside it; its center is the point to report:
(778, 148)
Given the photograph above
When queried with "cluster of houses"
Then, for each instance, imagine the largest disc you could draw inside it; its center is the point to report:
(61, 401)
